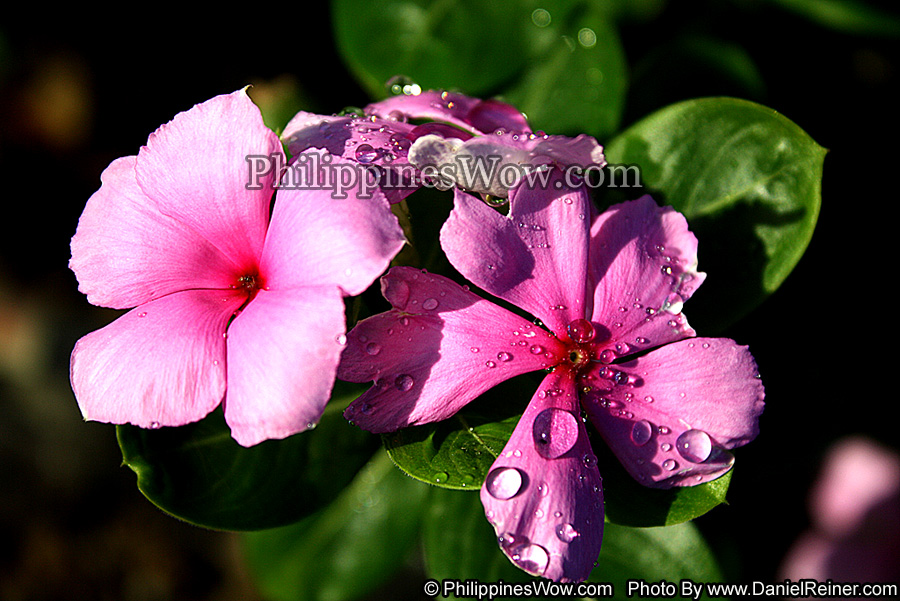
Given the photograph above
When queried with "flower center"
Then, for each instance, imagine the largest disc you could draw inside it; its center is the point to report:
(581, 334)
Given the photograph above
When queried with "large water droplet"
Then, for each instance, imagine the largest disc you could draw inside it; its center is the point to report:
(429, 304)
(404, 382)
(566, 533)
(365, 153)
(373, 348)
(504, 356)
(555, 431)
(504, 482)
(580, 331)
(530, 558)
(694, 445)
(669, 464)
(537, 349)
(641, 432)
(607, 356)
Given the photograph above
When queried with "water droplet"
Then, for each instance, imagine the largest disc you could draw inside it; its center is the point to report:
(669, 464)
(666, 269)
(649, 399)
(373, 348)
(155, 425)
(641, 432)
(429, 304)
(537, 349)
(580, 331)
(543, 489)
(365, 409)
(530, 558)
(490, 364)
(474, 349)
(142, 314)
(694, 445)
(589, 460)
(504, 482)
(504, 356)
(441, 477)
(566, 533)
(665, 447)
(341, 339)
(365, 153)
(555, 431)
(404, 382)
(674, 303)
(607, 356)
(663, 429)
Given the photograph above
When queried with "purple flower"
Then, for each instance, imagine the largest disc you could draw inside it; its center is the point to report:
(461, 132)
(228, 306)
(609, 288)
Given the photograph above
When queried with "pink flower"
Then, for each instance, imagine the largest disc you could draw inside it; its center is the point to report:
(229, 307)
(459, 131)
(609, 288)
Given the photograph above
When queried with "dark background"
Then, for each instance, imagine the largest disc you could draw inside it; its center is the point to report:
(75, 93)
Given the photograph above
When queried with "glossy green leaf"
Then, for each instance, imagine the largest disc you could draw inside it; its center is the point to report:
(460, 544)
(200, 474)
(749, 182)
(457, 452)
(438, 44)
(576, 79)
(347, 549)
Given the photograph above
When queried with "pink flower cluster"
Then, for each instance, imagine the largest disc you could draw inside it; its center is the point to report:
(236, 304)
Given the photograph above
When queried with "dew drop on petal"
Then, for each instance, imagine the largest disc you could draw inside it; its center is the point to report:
(607, 356)
(504, 356)
(530, 557)
(537, 349)
(504, 482)
(373, 348)
(490, 364)
(641, 432)
(669, 464)
(429, 304)
(555, 431)
(365, 153)
(581, 331)
(404, 382)
(694, 445)
(566, 533)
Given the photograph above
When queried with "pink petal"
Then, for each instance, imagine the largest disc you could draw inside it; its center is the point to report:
(161, 364)
(125, 252)
(283, 352)
(536, 258)
(317, 240)
(437, 350)
(671, 415)
(196, 169)
(365, 140)
(472, 114)
(543, 494)
(643, 267)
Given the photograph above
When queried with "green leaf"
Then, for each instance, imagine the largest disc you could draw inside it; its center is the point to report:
(749, 182)
(200, 474)
(348, 548)
(672, 554)
(456, 453)
(460, 544)
(575, 80)
(848, 16)
(438, 44)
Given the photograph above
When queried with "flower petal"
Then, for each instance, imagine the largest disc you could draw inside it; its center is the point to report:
(125, 252)
(316, 239)
(196, 169)
(671, 415)
(472, 114)
(643, 267)
(437, 350)
(161, 364)
(283, 352)
(543, 494)
(536, 258)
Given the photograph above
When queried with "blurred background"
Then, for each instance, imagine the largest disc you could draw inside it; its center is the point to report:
(75, 93)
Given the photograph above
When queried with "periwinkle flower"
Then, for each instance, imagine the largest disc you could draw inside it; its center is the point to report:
(609, 289)
(227, 306)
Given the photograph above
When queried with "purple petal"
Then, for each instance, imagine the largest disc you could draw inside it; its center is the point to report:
(536, 258)
(317, 240)
(283, 352)
(126, 253)
(195, 168)
(671, 415)
(643, 266)
(543, 494)
(161, 364)
(472, 114)
(437, 350)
